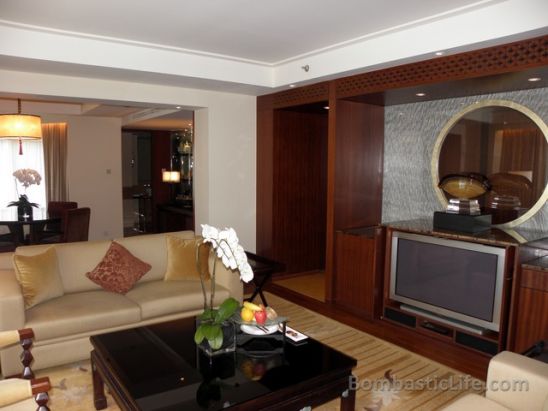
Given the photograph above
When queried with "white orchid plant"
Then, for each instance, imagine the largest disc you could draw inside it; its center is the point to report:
(226, 246)
(27, 177)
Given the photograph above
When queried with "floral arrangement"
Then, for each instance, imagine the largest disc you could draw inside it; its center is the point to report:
(226, 246)
(27, 176)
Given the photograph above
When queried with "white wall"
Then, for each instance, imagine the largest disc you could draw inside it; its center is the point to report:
(225, 157)
(94, 170)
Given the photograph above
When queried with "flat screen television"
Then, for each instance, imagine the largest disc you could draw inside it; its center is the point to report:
(453, 280)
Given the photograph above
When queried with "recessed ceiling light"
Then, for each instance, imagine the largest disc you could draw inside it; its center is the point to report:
(533, 79)
(439, 53)
(420, 94)
(292, 86)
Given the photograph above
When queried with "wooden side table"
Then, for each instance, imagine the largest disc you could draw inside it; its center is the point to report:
(263, 268)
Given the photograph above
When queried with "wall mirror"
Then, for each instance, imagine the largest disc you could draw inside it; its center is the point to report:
(505, 142)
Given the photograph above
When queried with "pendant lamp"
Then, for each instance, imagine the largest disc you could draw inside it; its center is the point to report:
(20, 126)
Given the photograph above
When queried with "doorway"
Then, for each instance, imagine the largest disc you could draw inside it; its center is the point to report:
(300, 197)
(136, 182)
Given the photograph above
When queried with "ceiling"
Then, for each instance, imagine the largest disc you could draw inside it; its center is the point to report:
(263, 32)
(132, 117)
(249, 46)
(238, 46)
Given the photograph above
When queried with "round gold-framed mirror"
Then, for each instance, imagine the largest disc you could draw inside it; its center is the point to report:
(505, 142)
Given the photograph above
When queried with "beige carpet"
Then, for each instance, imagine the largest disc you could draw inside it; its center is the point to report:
(390, 377)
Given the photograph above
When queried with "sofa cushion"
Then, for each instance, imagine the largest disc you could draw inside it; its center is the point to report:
(38, 276)
(181, 259)
(75, 260)
(81, 312)
(152, 248)
(119, 270)
(157, 298)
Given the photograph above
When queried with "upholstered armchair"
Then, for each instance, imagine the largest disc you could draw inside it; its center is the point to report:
(514, 382)
(25, 393)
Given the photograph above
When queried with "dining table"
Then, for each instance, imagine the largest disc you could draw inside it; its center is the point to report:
(27, 230)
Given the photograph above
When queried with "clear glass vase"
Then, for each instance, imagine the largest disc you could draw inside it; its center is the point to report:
(229, 339)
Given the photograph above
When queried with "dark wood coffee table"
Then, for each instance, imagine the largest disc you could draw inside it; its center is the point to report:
(158, 367)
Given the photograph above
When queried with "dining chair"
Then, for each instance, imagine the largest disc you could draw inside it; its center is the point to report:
(55, 210)
(24, 392)
(74, 227)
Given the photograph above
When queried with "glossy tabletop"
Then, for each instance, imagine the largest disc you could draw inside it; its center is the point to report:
(16, 225)
(159, 367)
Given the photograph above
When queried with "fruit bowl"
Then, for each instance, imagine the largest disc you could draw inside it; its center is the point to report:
(276, 321)
(259, 316)
(259, 329)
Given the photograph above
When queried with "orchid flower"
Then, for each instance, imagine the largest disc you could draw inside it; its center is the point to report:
(226, 245)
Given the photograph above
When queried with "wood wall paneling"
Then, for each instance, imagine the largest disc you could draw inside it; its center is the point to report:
(330, 208)
(265, 176)
(531, 320)
(354, 287)
(355, 132)
(298, 97)
(358, 169)
(299, 189)
(506, 58)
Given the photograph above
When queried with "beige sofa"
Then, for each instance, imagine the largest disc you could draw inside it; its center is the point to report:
(62, 326)
(514, 383)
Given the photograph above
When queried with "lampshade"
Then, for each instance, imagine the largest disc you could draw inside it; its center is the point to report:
(20, 126)
(171, 176)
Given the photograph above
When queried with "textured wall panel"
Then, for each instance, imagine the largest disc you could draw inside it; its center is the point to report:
(410, 133)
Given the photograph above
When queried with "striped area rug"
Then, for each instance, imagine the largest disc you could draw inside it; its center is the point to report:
(387, 377)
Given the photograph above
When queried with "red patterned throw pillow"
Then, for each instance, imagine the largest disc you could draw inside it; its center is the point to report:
(119, 270)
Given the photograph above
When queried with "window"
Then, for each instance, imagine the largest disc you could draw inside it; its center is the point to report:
(11, 188)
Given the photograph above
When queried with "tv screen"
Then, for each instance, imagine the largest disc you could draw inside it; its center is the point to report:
(455, 279)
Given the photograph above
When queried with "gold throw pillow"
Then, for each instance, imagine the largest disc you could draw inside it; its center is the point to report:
(38, 276)
(181, 259)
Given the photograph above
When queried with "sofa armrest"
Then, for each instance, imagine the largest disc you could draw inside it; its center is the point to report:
(230, 280)
(517, 382)
(12, 306)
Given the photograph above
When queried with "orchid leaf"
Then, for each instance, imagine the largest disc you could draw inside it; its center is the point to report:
(208, 314)
(199, 335)
(226, 310)
(217, 341)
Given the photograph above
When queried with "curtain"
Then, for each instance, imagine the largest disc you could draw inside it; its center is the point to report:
(10, 188)
(54, 136)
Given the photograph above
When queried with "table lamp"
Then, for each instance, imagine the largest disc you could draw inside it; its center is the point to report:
(171, 177)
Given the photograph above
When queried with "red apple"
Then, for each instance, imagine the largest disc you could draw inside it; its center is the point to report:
(260, 317)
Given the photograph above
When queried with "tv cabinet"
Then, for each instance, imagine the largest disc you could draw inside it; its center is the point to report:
(449, 331)
(529, 323)
(358, 271)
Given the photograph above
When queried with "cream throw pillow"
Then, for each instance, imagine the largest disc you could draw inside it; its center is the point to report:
(38, 276)
(181, 259)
